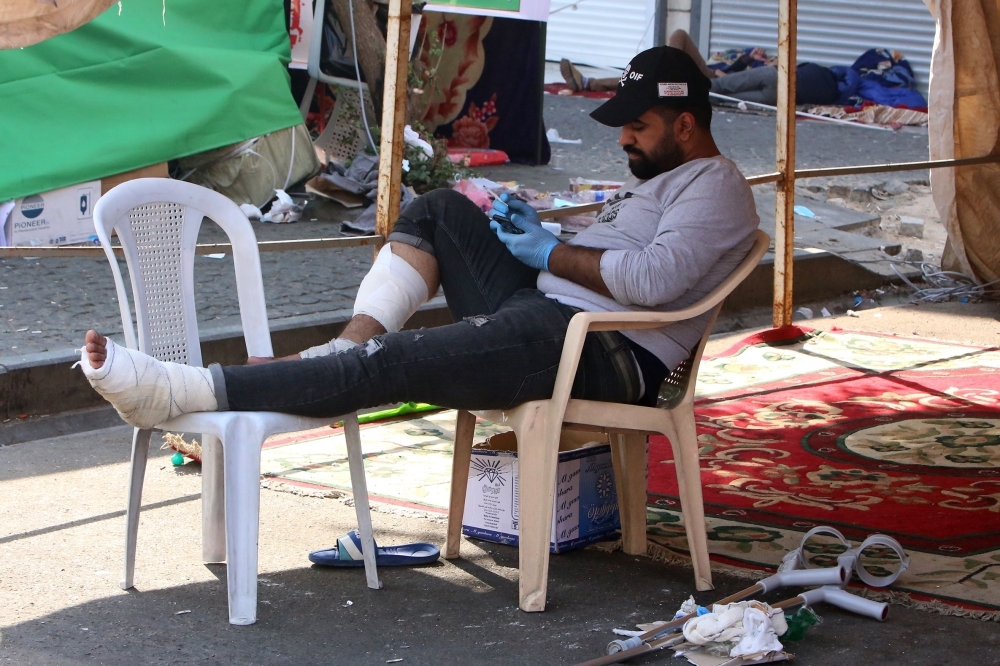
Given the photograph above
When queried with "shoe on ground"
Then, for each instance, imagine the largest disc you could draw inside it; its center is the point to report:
(573, 77)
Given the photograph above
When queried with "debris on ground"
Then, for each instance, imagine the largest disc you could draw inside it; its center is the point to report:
(800, 622)
(553, 136)
(741, 630)
(283, 210)
(176, 442)
(946, 285)
(909, 217)
(482, 192)
(911, 226)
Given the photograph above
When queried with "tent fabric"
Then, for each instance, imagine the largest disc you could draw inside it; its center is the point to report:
(156, 82)
(27, 22)
(964, 101)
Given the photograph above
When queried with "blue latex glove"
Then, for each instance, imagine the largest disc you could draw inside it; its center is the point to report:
(532, 247)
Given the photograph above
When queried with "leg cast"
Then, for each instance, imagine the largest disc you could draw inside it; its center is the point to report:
(145, 391)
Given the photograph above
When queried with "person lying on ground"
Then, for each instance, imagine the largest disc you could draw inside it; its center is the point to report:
(815, 84)
(670, 235)
(679, 39)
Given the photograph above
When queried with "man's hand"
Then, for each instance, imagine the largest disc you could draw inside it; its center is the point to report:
(532, 247)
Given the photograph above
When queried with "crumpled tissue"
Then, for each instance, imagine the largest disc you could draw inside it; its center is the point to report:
(283, 210)
(752, 627)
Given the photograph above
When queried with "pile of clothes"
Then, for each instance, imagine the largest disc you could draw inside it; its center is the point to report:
(880, 76)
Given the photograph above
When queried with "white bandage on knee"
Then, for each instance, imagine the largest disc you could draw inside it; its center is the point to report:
(334, 346)
(391, 292)
(147, 392)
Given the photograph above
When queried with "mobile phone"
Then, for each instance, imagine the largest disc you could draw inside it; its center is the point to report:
(507, 225)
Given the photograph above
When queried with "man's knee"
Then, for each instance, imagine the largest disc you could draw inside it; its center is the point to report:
(444, 196)
(678, 38)
(441, 207)
(423, 214)
(446, 206)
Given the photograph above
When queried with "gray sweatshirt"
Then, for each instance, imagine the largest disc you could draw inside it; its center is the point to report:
(670, 241)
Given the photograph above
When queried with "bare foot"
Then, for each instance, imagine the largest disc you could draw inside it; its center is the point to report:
(259, 360)
(96, 349)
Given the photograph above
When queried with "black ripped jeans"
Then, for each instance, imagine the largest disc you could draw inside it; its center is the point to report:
(503, 350)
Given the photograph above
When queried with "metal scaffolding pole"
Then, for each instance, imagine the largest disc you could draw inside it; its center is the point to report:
(390, 169)
(784, 223)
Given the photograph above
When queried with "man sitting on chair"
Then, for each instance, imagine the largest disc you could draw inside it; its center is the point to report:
(669, 236)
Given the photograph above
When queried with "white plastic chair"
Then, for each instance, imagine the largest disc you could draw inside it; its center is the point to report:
(157, 222)
(538, 425)
(343, 137)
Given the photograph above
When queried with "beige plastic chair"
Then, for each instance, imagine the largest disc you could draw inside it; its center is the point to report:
(538, 426)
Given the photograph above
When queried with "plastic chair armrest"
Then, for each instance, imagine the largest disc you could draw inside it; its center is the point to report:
(584, 322)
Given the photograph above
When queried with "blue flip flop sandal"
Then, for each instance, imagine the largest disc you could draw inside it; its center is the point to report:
(347, 553)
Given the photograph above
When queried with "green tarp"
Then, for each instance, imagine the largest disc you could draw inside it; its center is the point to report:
(157, 81)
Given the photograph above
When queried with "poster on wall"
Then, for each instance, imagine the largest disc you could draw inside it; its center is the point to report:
(532, 10)
(482, 96)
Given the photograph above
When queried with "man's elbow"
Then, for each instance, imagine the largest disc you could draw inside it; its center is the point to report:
(648, 298)
(650, 284)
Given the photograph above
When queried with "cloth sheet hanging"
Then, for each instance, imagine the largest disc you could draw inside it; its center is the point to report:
(27, 22)
(964, 101)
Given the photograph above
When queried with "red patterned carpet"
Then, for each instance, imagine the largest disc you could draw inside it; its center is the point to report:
(863, 432)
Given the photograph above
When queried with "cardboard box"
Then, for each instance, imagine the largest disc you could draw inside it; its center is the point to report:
(152, 171)
(59, 217)
(586, 184)
(586, 506)
(64, 216)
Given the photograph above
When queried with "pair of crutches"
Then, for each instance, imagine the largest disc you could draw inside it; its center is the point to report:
(793, 571)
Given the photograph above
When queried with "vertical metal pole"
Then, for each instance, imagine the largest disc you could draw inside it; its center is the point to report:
(660, 23)
(784, 222)
(390, 168)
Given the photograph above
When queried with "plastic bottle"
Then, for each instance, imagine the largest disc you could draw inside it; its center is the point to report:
(799, 623)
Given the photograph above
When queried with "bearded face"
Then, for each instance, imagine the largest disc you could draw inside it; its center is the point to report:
(663, 156)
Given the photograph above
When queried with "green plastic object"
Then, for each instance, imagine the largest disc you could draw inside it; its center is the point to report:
(402, 410)
(143, 83)
(177, 459)
(799, 623)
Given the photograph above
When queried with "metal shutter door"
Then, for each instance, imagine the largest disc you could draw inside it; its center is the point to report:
(831, 32)
(601, 33)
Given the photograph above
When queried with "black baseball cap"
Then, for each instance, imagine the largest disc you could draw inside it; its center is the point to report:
(660, 75)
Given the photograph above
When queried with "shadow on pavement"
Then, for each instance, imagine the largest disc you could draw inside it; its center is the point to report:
(433, 615)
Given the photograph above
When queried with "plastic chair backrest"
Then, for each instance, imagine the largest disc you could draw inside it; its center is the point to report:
(677, 386)
(157, 222)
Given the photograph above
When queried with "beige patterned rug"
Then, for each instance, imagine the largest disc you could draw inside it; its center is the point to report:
(407, 462)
